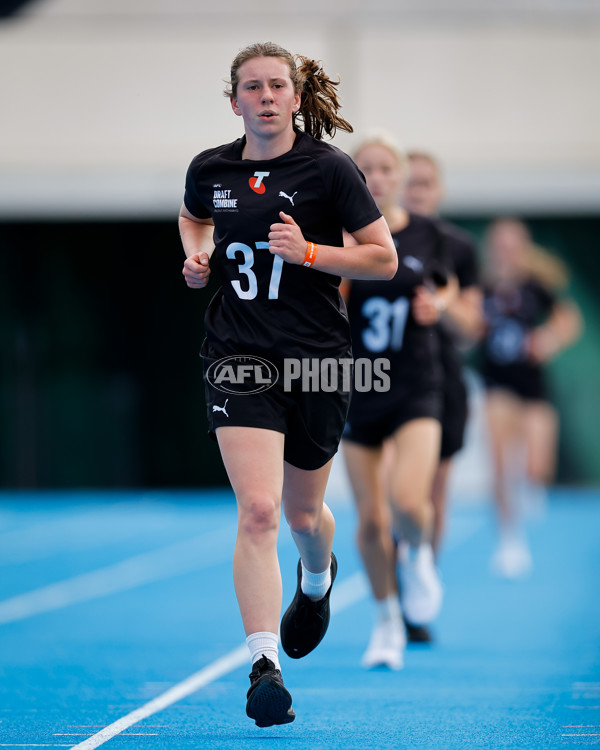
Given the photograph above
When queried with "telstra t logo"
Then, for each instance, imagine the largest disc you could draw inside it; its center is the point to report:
(256, 182)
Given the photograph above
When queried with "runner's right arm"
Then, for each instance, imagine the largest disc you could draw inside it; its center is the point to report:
(197, 239)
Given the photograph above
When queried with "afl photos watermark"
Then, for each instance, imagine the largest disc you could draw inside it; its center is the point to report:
(245, 375)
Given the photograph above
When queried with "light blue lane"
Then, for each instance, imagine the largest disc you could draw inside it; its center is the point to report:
(67, 541)
(516, 665)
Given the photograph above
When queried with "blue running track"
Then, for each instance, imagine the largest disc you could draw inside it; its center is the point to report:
(119, 628)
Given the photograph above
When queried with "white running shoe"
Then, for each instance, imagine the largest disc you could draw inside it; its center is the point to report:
(386, 645)
(512, 558)
(420, 586)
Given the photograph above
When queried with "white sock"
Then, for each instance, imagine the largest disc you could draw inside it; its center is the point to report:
(266, 644)
(404, 552)
(315, 585)
(388, 608)
(407, 553)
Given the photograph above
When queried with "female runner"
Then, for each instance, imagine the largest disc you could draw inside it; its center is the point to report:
(267, 211)
(396, 320)
(460, 326)
(526, 326)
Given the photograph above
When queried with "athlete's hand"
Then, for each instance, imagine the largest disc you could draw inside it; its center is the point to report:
(287, 241)
(424, 307)
(542, 345)
(196, 271)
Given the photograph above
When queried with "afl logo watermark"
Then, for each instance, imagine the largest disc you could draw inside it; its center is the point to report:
(242, 375)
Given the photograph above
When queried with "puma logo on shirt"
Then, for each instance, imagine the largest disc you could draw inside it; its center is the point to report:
(289, 197)
(222, 408)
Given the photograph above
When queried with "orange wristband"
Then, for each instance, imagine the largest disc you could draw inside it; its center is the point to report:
(311, 254)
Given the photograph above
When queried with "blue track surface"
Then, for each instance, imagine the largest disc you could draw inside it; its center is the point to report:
(148, 601)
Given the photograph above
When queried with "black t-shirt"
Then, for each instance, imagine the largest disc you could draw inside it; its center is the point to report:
(460, 246)
(264, 305)
(462, 253)
(511, 312)
(382, 324)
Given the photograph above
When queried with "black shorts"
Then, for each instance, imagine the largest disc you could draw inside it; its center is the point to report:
(454, 417)
(312, 421)
(533, 390)
(372, 433)
(521, 378)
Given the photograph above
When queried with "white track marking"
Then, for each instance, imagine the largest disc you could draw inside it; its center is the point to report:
(207, 550)
(348, 592)
(584, 708)
(86, 528)
(345, 594)
(234, 659)
(33, 539)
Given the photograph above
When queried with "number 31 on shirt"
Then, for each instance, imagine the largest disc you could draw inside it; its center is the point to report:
(387, 321)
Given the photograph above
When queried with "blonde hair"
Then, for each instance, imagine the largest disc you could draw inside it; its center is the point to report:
(415, 155)
(385, 140)
(319, 103)
(535, 261)
(546, 268)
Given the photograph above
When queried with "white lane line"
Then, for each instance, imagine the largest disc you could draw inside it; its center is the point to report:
(583, 708)
(348, 592)
(31, 541)
(87, 528)
(345, 594)
(204, 551)
(222, 666)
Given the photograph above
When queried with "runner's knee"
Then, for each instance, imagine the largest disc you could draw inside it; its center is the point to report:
(258, 515)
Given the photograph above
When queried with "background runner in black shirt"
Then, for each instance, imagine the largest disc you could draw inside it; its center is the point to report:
(526, 325)
(268, 210)
(396, 320)
(459, 326)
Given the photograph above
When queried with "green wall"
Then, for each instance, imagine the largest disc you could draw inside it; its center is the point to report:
(574, 375)
(100, 380)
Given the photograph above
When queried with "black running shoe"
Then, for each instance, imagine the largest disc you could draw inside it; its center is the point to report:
(268, 702)
(305, 622)
(417, 633)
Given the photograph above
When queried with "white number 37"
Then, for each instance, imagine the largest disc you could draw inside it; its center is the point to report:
(245, 267)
